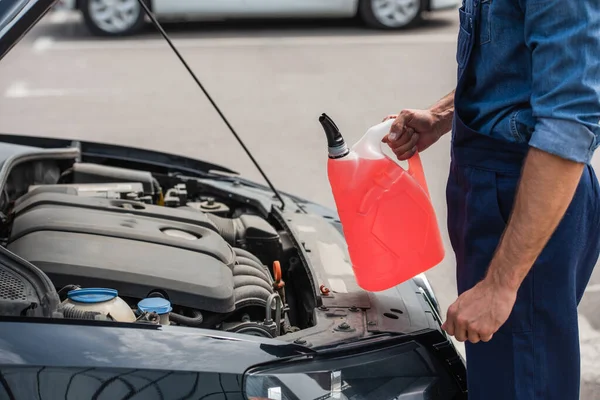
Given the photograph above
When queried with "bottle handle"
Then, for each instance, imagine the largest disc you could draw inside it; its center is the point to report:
(415, 166)
(415, 169)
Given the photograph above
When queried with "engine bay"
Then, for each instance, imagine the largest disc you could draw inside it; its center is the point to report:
(117, 246)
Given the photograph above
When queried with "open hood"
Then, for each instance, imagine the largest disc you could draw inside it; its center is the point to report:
(17, 17)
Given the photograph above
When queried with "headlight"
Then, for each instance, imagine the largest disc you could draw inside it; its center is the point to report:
(405, 371)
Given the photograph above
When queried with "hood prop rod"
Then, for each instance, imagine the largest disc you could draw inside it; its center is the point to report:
(185, 64)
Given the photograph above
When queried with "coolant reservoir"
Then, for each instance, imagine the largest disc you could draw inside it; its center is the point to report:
(160, 306)
(104, 301)
(388, 220)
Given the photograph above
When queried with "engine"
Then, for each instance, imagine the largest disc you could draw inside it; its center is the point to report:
(100, 229)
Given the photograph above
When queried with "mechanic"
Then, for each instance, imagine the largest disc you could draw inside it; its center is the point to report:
(522, 197)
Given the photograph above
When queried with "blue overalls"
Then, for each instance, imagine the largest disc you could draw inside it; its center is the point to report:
(501, 108)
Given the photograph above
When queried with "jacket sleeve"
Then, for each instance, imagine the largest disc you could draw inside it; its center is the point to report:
(563, 37)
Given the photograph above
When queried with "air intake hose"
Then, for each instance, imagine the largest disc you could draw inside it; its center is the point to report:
(228, 228)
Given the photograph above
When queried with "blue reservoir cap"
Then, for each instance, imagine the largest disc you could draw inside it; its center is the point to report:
(92, 295)
(155, 304)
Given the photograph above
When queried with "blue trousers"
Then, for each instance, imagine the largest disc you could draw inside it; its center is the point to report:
(535, 354)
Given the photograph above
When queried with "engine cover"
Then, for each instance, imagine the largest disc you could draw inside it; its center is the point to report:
(92, 245)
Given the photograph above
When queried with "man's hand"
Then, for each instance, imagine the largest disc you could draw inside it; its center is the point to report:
(414, 130)
(478, 313)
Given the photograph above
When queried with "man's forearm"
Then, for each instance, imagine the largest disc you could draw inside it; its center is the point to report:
(444, 111)
(545, 191)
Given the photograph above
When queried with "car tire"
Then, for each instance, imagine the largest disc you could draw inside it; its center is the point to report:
(391, 14)
(102, 18)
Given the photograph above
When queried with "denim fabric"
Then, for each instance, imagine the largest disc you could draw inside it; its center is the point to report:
(535, 355)
(533, 72)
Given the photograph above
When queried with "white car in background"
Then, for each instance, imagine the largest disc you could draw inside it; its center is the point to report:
(126, 17)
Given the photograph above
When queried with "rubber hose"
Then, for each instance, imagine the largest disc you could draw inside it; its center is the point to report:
(195, 321)
(225, 226)
(260, 267)
(62, 293)
(75, 313)
(245, 253)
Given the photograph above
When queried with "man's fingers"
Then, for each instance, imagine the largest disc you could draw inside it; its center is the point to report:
(448, 326)
(408, 147)
(406, 155)
(399, 127)
(473, 336)
(396, 136)
(461, 334)
(486, 338)
(406, 142)
(460, 327)
(396, 132)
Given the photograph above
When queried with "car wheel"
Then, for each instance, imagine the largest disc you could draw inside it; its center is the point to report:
(391, 14)
(113, 17)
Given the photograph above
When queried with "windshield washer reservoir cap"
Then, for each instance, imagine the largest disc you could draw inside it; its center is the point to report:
(92, 295)
(155, 304)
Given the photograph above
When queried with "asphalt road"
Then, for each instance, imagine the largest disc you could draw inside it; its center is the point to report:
(272, 81)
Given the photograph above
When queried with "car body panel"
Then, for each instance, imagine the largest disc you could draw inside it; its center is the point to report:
(252, 8)
(208, 9)
(79, 344)
(75, 359)
(49, 360)
(58, 383)
(191, 9)
(305, 8)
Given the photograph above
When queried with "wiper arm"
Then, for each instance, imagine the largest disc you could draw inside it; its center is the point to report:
(239, 139)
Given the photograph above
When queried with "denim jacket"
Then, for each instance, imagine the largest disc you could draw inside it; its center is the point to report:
(529, 73)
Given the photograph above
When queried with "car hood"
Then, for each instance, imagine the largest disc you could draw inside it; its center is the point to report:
(17, 17)
(156, 161)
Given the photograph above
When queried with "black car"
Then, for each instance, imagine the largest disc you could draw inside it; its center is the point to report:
(133, 274)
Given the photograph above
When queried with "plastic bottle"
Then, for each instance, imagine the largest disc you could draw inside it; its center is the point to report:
(388, 220)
